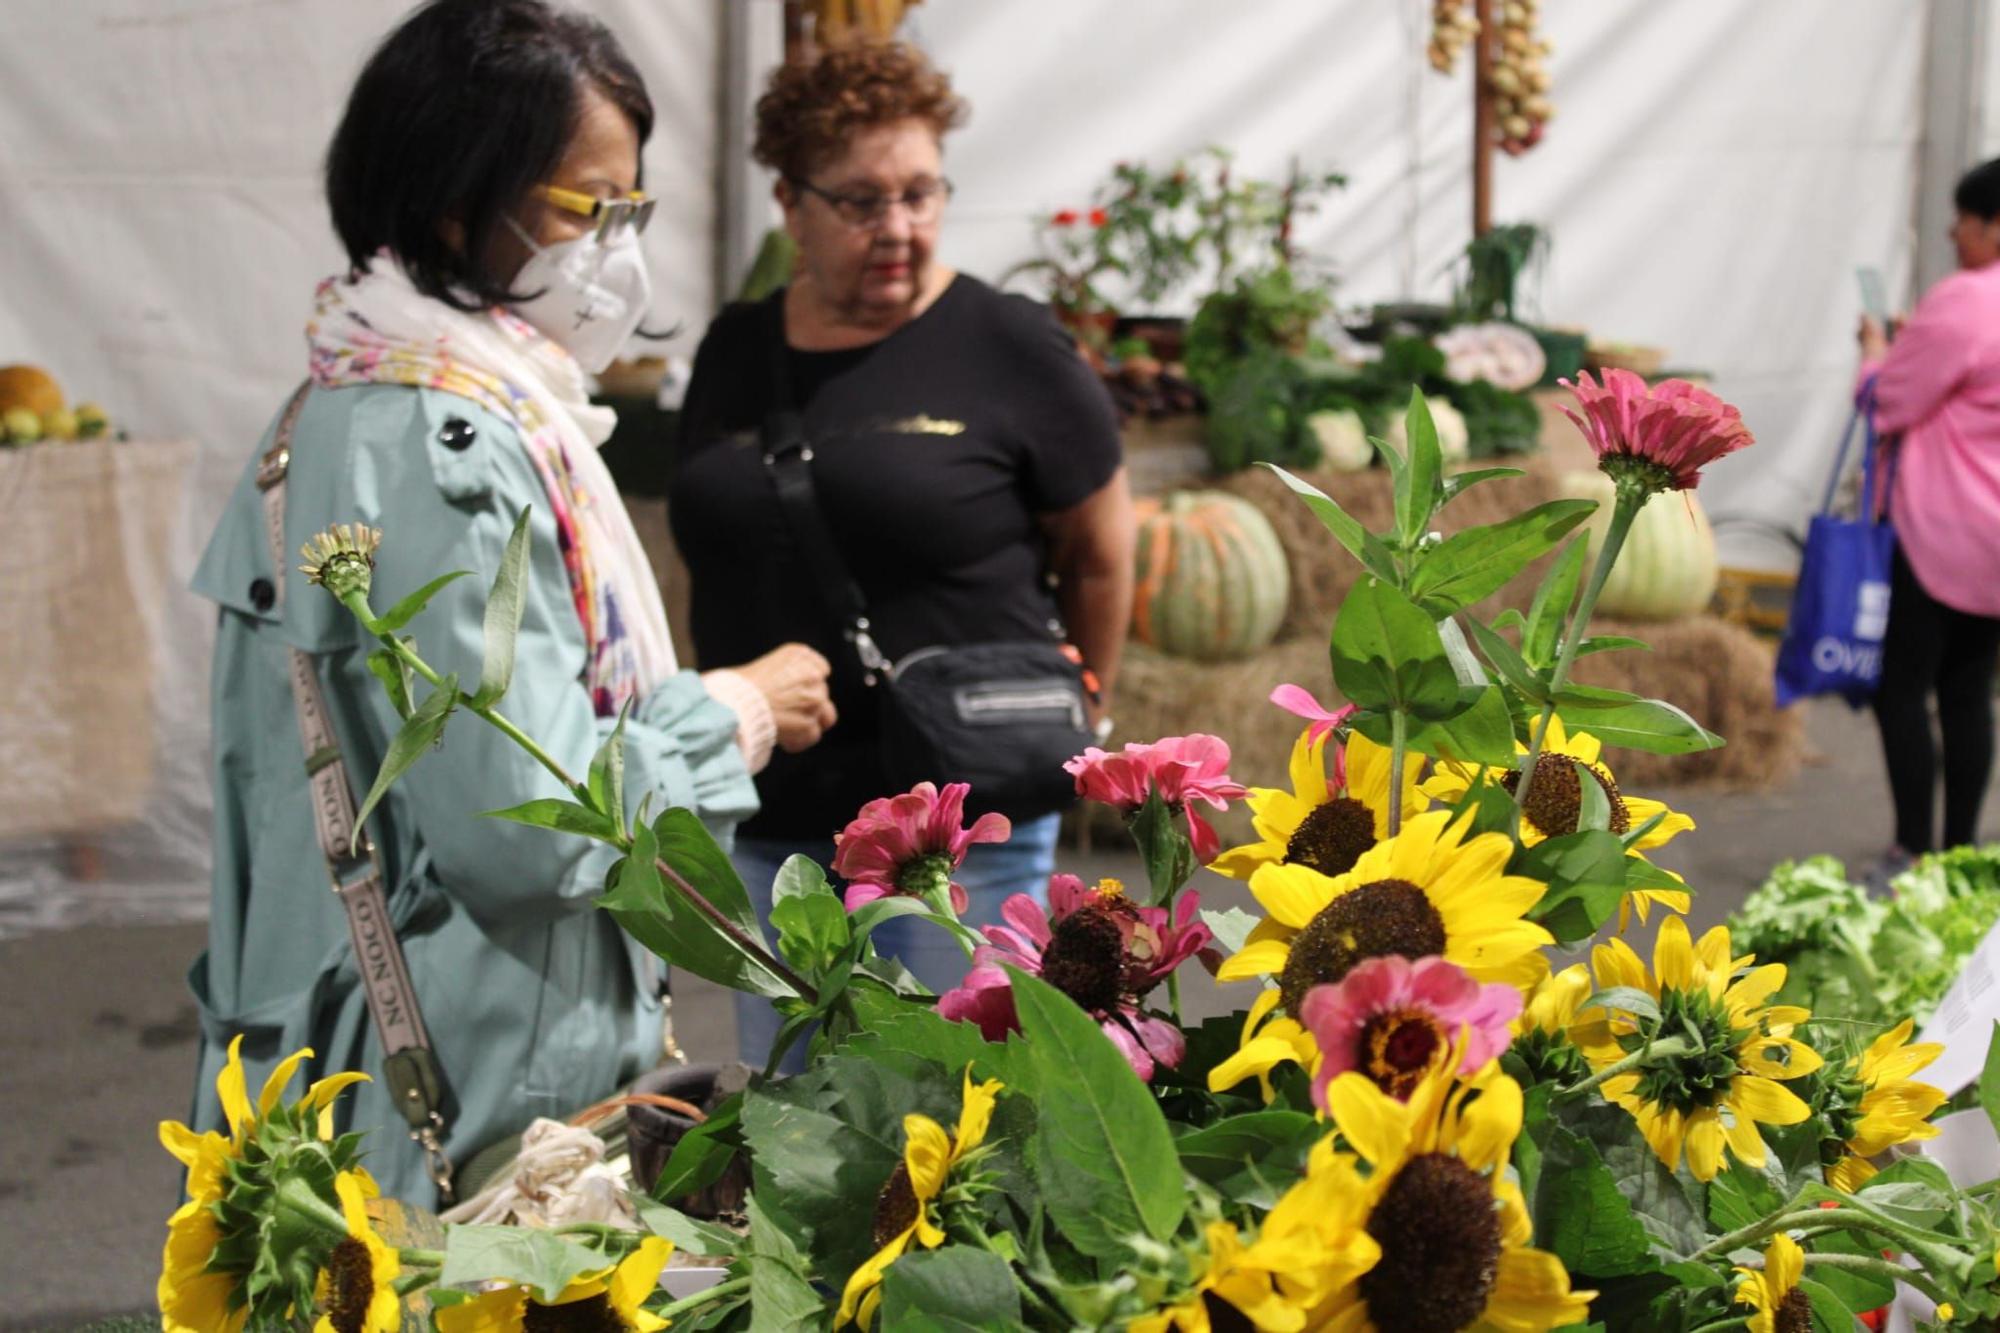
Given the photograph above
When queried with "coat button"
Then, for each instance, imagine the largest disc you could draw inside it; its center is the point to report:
(263, 594)
(457, 434)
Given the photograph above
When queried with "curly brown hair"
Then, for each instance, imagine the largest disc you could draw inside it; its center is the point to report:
(810, 110)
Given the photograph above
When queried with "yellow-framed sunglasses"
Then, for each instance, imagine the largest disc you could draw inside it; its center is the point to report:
(634, 210)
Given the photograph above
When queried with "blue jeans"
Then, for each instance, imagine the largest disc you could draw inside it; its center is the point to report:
(992, 873)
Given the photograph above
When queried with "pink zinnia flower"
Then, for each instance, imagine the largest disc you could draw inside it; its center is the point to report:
(1096, 946)
(911, 844)
(1395, 1021)
(1676, 427)
(1299, 701)
(1185, 769)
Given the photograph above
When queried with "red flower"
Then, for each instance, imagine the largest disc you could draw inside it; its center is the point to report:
(1065, 217)
(1674, 429)
(1096, 946)
(1184, 769)
(1098, 217)
(911, 844)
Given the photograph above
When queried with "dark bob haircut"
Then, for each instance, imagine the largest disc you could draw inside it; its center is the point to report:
(1978, 191)
(458, 115)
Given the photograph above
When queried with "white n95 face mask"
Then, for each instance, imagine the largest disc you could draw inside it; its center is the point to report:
(590, 296)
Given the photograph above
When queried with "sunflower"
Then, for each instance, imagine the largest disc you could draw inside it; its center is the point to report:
(1308, 1246)
(1782, 1305)
(1428, 890)
(1541, 1034)
(1555, 805)
(1452, 1229)
(193, 1291)
(903, 1208)
(1323, 827)
(356, 1290)
(1872, 1104)
(606, 1299)
(1713, 1094)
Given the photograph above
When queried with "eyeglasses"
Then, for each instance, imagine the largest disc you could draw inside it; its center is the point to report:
(924, 202)
(634, 210)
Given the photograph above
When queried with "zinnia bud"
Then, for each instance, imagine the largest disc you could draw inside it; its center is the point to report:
(342, 558)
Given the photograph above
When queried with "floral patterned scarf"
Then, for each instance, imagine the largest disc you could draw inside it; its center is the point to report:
(376, 328)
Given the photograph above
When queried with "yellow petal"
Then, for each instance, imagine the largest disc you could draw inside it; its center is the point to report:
(926, 1155)
(1745, 1141)
(1254, 1059)
(1673, 956)
(1491, 1124)
(501, 1311)
(232, 1089)
(1784, 1264)
(1704, 1144)
(1309, 769)
(865, 1279)
(1259, 959)
(1531, 1292)
(1245, 861)
(274, 1086)
(1292, 895)
(1375, 1124)
(975, 1113)
(637, 1277)
(1762, 1099)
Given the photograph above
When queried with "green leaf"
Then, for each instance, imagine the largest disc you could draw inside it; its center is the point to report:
(1387, 654)
(607, 773)
(1163, 847)
(1593, 806)
(1251, 1159)
(689, 1235)
(661, 917)
(1618, 718)
(782, 1296)
(1989, 1079)
(798, 877)
(1231, 926)
(537, 1259)
(703, 1153)
(1478, 562)
(812, 931)
(1513, 667)
(1610, 643)
(1458, 483)
(1628, 999)
(919, 1031)
(1553, 599)
(1670, 1207)
(1420, 490)
(504, 606)
(411, 744)
(1362, 544)
(1582, 1216)
(403, 612)
(1481, 733)
(949, 1290)
(396, 678)
(1585, 873)
(1103, 1154)
(1829, 1311)
(552, 812)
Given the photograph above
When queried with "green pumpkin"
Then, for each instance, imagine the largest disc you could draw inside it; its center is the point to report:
(1667, 567)
(1213, 582)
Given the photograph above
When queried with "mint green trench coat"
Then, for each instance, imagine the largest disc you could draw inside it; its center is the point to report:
(536, 1002)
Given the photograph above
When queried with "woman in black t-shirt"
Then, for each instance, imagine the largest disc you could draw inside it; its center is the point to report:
(966, 460)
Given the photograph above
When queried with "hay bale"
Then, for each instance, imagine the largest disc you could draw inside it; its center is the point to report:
(1323, 571)
(1718, 672)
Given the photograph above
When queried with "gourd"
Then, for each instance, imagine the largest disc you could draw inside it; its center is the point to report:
(1213, 581)
(1667, 567)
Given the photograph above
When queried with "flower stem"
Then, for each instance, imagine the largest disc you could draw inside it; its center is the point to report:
(1399, 745)
(1624, 510)
(1659, 1050)
(1882, 1268)
(1717, 1325)
(701, 1298)
(1174, 995)
(1933, 1255)
(750, 948)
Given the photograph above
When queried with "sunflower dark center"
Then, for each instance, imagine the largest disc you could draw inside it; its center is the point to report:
(1440, 1238)
(1555, 801)
(1389, 916)
(593, 1314)
(895, 1207)
(1333, 837)
(1398, 1048)
(350, 1285)
(1794, 1313)
(1224, 1317)
(1085, 959)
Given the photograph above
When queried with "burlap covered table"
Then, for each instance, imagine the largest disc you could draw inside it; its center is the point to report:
(84, 567)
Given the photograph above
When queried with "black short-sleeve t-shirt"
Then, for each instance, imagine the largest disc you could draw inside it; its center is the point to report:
(937, 451)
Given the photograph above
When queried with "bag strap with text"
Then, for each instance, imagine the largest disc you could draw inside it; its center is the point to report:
(410, 1066)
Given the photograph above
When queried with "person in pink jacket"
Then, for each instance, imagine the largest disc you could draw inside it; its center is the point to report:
(1937, 386)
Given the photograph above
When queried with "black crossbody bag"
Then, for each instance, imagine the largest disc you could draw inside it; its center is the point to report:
(1002, 716)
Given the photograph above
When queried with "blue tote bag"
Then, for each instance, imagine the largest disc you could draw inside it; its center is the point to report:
(1840, 610)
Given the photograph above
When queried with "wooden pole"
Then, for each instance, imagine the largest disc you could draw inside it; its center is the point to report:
(1482, 119)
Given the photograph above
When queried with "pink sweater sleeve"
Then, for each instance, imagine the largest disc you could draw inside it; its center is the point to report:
(1930, 357)
(756, 729)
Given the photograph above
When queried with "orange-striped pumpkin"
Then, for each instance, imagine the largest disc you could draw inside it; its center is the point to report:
(1213, 581)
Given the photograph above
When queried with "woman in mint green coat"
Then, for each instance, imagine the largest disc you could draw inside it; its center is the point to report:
(484, 182)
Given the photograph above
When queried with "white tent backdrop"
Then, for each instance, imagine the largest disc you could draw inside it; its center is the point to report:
(1715, 173)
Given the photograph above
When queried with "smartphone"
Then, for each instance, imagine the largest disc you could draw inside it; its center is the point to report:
(1874, 295)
